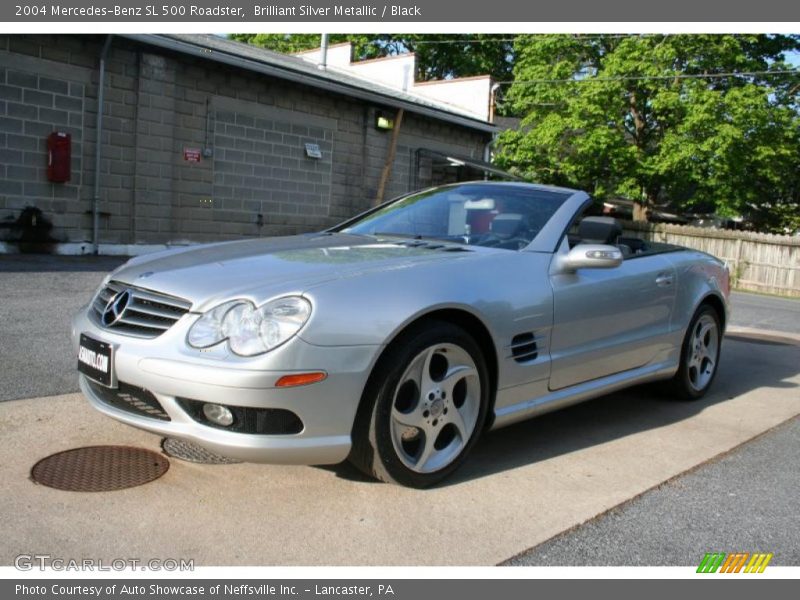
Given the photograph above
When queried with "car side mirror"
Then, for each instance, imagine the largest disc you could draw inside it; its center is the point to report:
(591, 256)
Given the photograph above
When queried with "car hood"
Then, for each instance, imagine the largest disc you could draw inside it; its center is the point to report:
(263, 268)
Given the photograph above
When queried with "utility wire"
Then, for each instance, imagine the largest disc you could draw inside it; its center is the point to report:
(655, 77)
(469, 41)
(577, 36)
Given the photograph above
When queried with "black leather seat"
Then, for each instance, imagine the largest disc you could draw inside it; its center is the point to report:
(603, 230)
(508, 225)
(599, 230)
(511, 231)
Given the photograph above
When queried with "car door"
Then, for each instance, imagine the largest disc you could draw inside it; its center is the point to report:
(607, 321)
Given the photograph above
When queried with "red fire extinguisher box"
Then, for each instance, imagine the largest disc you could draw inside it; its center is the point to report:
(59, 156)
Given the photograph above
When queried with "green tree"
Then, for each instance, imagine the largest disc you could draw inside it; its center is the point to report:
(659, 119)
(286, 43)
(438, 56)
(458, 55)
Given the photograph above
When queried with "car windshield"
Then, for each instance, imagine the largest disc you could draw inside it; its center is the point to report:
(478, 214)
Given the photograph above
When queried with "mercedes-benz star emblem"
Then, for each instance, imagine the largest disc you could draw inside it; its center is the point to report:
(116, 308)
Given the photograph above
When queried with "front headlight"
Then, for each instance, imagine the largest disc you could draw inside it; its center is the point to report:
(250, 330)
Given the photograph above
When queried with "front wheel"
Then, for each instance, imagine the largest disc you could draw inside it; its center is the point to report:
(699, 355)
(425, 407)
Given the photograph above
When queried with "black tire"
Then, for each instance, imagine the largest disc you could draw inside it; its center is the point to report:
(686, 385)
(374, 447)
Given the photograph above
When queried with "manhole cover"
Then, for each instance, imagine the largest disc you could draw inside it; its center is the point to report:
(99, 468)
(193, 453)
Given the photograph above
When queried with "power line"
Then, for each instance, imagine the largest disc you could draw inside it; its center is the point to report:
(576, 36)
(655, 77)
(465, 41)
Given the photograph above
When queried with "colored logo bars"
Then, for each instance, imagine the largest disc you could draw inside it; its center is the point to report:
(734, 563)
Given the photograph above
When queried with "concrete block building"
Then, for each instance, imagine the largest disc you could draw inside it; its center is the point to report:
(203, 139)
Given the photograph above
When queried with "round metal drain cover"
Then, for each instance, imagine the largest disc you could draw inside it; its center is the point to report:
(193, 453)
(99, 468)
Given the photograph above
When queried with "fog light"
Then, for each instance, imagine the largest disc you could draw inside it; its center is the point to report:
(216, 413)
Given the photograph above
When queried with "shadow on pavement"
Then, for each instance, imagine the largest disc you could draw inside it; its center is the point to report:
(761, 339)
(49, 263)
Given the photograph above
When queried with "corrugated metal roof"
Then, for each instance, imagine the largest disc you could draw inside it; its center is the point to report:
(294, 68)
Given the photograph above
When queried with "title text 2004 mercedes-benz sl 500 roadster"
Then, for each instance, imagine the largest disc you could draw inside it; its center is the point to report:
(396, 338)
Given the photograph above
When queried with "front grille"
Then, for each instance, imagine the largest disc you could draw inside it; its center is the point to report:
(132, 399)
(147, 314)
(246, 419)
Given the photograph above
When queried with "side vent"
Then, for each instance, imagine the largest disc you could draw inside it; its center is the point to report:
(523, 347)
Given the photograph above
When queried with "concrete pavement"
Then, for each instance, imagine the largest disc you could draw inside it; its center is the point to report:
(522, 485)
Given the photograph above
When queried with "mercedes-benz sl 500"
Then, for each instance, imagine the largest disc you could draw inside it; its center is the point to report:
(396, 338)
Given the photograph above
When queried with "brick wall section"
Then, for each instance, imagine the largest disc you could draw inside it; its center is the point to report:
(159, 103)
(261, 166)
(33, 105)
(162, 194)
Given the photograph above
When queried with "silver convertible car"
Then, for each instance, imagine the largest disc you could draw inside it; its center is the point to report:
(396, 338)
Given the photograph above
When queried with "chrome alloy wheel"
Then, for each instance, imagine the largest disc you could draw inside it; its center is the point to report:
(702, 352)
(435, 408)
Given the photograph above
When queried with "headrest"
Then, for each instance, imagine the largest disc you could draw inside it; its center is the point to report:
(599, 230)
(507, 225)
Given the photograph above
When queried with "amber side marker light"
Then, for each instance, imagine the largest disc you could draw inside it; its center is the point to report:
(300, 379)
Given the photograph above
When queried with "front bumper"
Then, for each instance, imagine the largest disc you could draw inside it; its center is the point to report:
(167, 368)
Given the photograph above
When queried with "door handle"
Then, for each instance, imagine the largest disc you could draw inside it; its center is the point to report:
(664, 279)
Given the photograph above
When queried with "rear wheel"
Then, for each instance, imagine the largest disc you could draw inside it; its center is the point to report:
(699, 355)
(424, 407)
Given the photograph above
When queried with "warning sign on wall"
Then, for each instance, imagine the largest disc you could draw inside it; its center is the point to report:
(191, 154)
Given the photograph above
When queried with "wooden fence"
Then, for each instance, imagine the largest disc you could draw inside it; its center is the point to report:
(758, 261)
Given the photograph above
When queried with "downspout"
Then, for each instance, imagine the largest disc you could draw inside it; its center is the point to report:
(98, 146)
(487, 153)
(493, 101)
(323, 52)
(487, 149)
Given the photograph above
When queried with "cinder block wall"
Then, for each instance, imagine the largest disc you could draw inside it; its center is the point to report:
(256, 179)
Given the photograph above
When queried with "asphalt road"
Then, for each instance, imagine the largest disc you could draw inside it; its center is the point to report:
(765, 312)
(38, 296)
(745, 501)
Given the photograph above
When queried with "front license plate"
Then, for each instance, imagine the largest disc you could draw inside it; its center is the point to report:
(95, 359)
